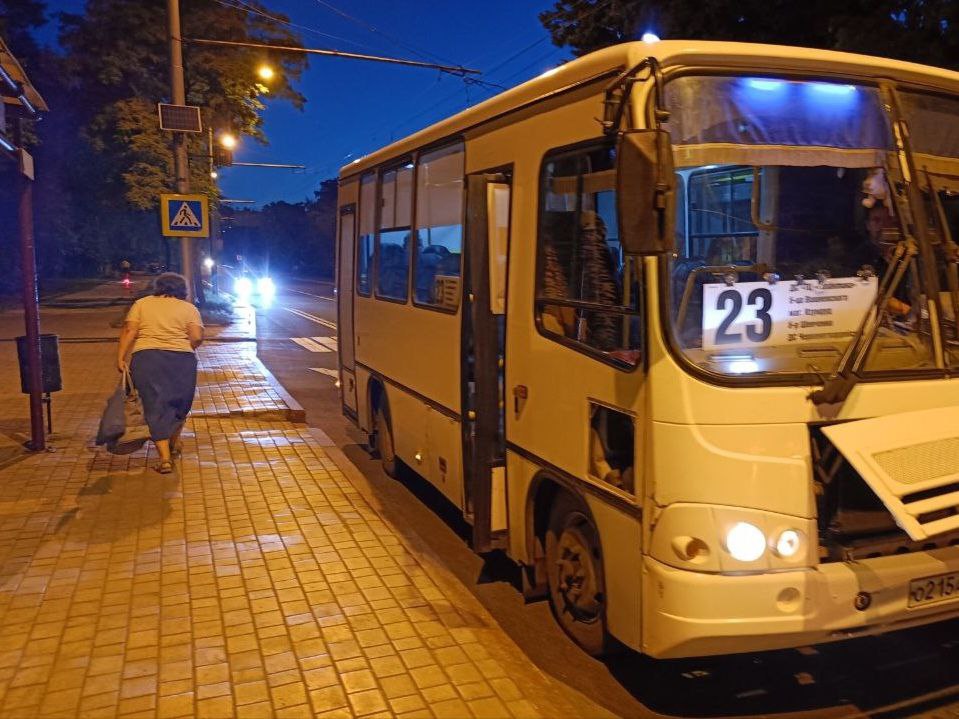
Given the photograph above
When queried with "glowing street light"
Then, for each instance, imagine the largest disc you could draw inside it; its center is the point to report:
(265, 72)
(228, 140)
(214, 174)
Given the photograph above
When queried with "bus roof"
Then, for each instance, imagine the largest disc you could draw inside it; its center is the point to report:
(670, 53)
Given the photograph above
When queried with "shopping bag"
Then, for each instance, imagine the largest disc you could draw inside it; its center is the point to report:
(113, 420)
(134, 432)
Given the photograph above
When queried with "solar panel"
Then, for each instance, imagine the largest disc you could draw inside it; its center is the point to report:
(180, 118)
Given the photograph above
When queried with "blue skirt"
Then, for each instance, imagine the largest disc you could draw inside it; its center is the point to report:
(166, 382)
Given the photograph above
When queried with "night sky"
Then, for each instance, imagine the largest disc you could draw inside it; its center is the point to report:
(354, 107)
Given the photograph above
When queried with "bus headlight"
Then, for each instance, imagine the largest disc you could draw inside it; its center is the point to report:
(745, 542)
(788, 543)
(243, 287)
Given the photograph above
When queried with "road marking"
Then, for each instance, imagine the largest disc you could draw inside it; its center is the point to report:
(327, 342)
(310, 294)
(307, 343)
(311, 318)
(328, 372)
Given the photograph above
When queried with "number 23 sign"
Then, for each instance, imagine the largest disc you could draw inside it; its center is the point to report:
(751, 314)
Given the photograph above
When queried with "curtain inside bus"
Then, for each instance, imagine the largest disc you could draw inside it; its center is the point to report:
(759, 120)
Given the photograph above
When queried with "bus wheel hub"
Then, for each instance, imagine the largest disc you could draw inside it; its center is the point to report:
(577, 575)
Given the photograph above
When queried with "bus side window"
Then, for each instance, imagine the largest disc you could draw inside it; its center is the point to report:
(364, 240)
(588, 293)
(393, 238)
(439, 233)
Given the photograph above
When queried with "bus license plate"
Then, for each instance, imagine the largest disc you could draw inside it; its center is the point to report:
(930, 590)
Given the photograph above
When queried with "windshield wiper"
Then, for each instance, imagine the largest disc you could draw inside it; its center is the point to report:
(950, 251)
(838, 387)
(914, 224)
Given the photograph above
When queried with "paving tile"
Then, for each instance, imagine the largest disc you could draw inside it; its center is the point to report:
(254, 582)
(450, 709)
(176, 705)
(326, 698)
(367, 702)
(489, 708)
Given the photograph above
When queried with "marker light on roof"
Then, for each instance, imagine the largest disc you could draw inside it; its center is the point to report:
(650, 37)
(830, 88)
(765, 84)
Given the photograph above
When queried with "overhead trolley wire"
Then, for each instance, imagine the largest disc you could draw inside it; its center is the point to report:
(245, 7)
(375, 30)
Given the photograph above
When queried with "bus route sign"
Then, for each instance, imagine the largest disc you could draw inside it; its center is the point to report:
(185, 215)
(752, 314)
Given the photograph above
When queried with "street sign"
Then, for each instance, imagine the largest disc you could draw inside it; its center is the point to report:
(185, 215)
(179, 118)
(26, 164)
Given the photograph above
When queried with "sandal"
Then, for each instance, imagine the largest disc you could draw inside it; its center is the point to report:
(176, 452)
(163, 468)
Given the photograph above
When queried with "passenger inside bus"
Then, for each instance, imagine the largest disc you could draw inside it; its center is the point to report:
(579, 247)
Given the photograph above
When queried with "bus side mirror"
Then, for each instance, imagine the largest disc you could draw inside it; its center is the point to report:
(645, 190)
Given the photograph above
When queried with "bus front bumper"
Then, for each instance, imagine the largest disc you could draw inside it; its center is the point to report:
(688, 614)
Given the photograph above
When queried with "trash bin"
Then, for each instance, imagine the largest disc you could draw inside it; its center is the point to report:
(49, 364)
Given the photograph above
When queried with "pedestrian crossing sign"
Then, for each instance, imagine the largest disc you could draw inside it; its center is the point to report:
(185, 215)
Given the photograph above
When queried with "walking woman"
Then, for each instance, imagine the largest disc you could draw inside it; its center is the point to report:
(162, 332)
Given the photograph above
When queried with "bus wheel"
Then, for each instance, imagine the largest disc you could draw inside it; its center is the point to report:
(574, 569)
(384, 442)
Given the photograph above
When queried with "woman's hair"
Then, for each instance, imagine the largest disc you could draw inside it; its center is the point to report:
(170, 284)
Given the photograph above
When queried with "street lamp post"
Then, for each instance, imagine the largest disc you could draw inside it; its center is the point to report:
(181, 164)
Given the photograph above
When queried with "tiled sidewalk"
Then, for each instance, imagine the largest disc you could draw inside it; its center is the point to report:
(255, 582)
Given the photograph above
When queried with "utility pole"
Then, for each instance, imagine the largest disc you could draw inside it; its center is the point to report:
(31, 302)
(181, 163)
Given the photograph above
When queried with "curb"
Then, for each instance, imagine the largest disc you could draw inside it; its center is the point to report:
(294, 410)
(89, 304)
(571, 702)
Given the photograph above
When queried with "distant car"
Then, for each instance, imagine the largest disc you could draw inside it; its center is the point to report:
(248, 287)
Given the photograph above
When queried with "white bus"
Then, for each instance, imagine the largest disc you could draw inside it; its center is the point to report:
(674, 325)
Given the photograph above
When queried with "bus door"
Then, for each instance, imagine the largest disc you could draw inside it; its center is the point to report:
(346, 250)
(484, 357)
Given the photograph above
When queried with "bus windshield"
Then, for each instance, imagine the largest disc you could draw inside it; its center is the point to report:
(786, 226)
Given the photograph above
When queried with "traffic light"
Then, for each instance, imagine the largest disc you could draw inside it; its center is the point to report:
(222, 157)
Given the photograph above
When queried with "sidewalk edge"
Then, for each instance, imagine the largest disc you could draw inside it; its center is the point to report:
(295, 411)
(450, 584)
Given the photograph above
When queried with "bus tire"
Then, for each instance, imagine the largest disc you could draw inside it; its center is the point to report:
(574, 570)
(383, 432)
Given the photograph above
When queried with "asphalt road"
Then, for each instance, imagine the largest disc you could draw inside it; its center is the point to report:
(908, 674)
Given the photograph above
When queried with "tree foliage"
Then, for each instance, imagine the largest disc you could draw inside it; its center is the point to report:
(298, 237)
(117, 62)
(101, 158)
(925, 31)
(18, 18)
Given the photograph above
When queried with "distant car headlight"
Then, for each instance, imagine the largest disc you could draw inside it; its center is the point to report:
(243, 286)
(745, 542)
(265, 286)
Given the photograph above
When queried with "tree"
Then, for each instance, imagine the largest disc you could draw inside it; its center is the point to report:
(924, 31)
(296, 238)
(18, 18)
(117, 60)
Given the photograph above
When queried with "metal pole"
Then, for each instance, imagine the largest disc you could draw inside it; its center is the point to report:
(181, 164)
(31, 304)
